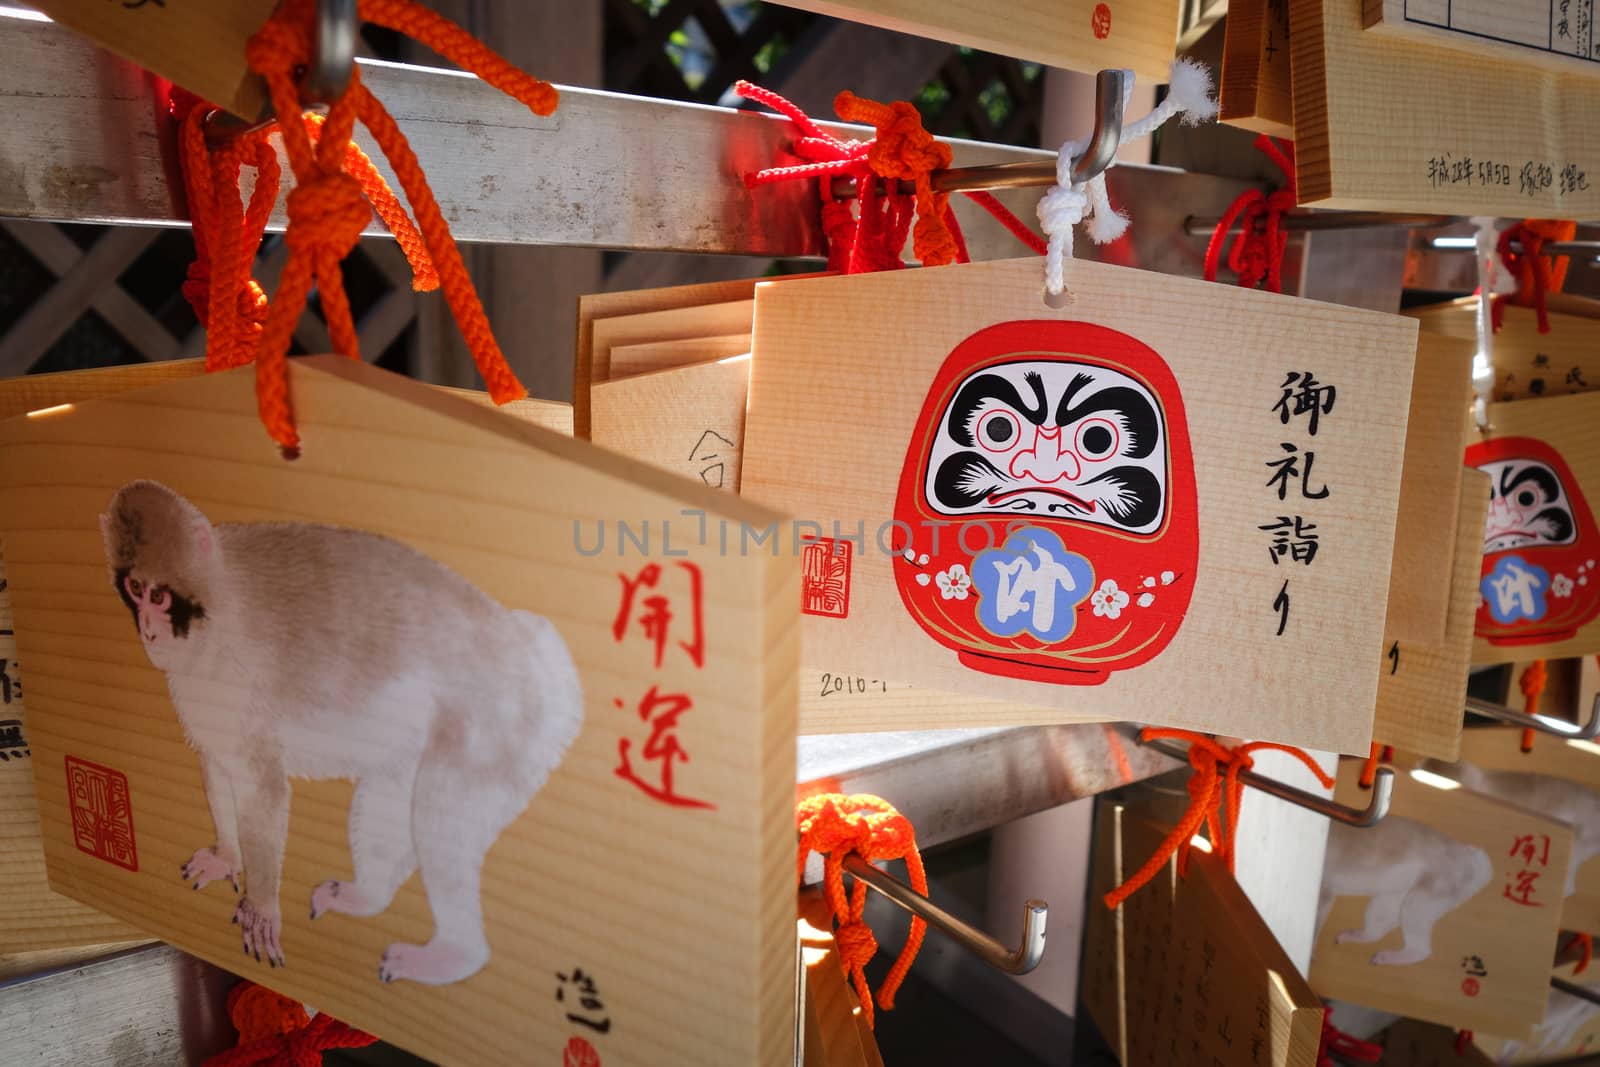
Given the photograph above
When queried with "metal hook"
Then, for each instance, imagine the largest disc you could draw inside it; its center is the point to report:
(1543, 723)
(327, 76)
(1313, 221)
(1095, 157)
(1572, 989)
(1361, 818)
(1020, 960)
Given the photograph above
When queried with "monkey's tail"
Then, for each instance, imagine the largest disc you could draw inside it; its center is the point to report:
(554, 704)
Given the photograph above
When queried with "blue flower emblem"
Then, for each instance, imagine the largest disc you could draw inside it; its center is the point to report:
(1031, 583)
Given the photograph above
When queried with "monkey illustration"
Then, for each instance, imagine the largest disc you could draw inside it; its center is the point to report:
(1413, 874)
(296, 650)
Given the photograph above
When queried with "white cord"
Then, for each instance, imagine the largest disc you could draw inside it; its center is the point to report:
(1482, 363)
(1068, 203)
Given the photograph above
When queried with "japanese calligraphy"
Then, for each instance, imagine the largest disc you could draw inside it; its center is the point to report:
(1287, 469)
(657, 616)
(585, 1007)
(12, 743)
(1304, 395)
(661, 711)
(1292, 537)
(1534, 852)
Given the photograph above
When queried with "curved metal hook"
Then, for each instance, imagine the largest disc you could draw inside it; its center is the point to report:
(1109, 89)
(1543, 723)
(1020, 960)
(1361, 818)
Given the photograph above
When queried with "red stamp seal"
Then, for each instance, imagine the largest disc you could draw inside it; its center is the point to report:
(825, 578)
(102, 812)
(1469, 986)
(1100, 22)
(579, 1053)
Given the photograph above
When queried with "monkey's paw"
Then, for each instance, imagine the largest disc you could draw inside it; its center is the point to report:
(1398, 957)
(1355, 937)
(205, 867)
(435, 963)
(259, 931)
(334, 895)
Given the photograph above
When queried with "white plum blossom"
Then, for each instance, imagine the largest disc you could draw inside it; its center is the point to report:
(1561, 585)
(954, 583)
(1167, 577)
(1146, 599)
(1108, 600)
(922, 579)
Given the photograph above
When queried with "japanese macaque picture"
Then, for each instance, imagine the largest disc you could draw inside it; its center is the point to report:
(1540, 545)
(1557, 798)
(1412, 876)
(1046, 509)
(303, 651)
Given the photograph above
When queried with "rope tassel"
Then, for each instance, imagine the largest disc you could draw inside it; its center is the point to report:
(336, 189)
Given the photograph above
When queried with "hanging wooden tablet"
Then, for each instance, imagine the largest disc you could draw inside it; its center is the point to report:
(1554, 37)
(1421, 686)
(558, 738)
(1256, 90)
(199, 46)
(1085, 510)
(1570, 1028)
(1528, 363)
(1412, 1043)
(1447, 910)
(1430, 490)
(836, 1034)
(1558, 777)
(1541, 544)
(1084, 35)
(1394, 125)
(1185, 970)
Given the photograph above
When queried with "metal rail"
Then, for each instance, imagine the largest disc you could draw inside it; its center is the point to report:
(86, 140)
(1584, 731)
(1361, 818)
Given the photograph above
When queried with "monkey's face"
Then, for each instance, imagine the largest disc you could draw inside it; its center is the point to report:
(160, 550)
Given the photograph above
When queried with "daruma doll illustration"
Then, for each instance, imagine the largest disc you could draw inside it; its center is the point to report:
(1540, 544)
(1046, 517)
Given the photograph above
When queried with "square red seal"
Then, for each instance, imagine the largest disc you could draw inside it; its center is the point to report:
(102, 812)
(825, 578)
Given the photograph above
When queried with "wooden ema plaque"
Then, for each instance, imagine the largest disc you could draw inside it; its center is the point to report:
(1084, 35)
(545, 743)
(1445, 911)
(1422, 685)
(1387, 124)
(198, 44)
(1257, 91)
(1559, 777)
(1083, 511)
(1528, 363)
(1185, 970)
(1557, 36)
(1541, 543)
(1570, 1028)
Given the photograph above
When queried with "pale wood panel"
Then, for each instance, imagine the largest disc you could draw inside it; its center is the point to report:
(597, 306)
(1499, 748)
(1257, 91)
(22, 964)
(578, 879)
(628, 360)
(1394, 125)
(672, 324)
(1075, 34)
(841, 369)
(1409, 1043)
(1571, 1027)
(1421, 687)
(1528, 363)
(1430, 489)
(30, 392)
(836, 1032)
(200, 46)
(1534, 33)
(689, 420)
(1194, 972)
(1571, 426)
(1434, 846)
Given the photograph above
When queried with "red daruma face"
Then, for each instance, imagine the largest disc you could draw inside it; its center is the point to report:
(1540, 544)
(1046, 520)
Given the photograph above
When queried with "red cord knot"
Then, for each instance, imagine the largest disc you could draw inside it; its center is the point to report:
(867, 826)
(905, 151)
(281, 46)
(327, 213)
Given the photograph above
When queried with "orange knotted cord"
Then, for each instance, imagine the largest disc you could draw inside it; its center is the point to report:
(1532, 684)
(1215, 791)
(838, 826)
(328, 208)
(903, 150)
(1585, 946)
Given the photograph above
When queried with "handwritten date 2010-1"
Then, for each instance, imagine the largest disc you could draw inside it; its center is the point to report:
(842, 683)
